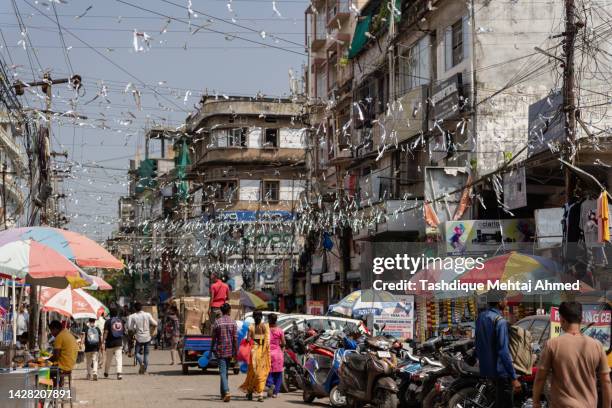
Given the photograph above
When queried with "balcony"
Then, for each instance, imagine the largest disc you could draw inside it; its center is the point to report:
(338, 12)
(400, 218)
(249, 155)
(319, 32)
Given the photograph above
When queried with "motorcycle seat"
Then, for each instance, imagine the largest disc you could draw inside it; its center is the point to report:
(465, 368)
(357, 362)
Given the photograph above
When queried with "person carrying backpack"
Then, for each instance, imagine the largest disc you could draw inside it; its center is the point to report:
(493, 350)
(112, 342)
(92, 338)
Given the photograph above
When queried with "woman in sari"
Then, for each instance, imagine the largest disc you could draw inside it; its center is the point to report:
(259, 366)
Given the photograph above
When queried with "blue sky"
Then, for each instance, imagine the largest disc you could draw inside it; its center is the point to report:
(181, 61)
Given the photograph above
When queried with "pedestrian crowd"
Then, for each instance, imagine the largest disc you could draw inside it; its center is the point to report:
(573, 362)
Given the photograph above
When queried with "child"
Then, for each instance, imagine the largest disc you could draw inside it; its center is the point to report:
(93, 340)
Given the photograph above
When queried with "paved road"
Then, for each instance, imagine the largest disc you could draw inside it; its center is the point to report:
(165, 386)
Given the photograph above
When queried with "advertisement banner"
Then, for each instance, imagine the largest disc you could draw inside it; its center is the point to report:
(400, 323)
(484, 236)
(315, 307)
(596, 323)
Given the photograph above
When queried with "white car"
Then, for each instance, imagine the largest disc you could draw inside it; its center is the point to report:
(319, 323)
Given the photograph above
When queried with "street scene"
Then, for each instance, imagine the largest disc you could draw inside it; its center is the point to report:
(345, 203)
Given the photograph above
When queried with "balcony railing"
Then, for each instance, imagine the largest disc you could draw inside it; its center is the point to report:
(337, 10)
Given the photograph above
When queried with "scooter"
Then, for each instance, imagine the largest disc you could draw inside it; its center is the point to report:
(368, 377)
(321, 379)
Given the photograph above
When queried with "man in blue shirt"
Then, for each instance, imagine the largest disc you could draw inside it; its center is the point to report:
(493, 352)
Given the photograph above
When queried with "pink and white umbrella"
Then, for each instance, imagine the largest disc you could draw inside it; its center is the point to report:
(98, 284)
(71, 302)
(39, 264)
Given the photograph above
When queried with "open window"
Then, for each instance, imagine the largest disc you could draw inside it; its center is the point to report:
(237, 137)
(271, 138)
(270, 191)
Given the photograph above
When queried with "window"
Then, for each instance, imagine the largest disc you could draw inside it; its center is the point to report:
(271, 138)
(237, 137)
(270, 190)
(415, 65)
(456, 43)
(220, 190)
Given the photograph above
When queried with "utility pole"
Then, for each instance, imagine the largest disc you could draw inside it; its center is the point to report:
(569, 93)
(46, 86)
(4, 194)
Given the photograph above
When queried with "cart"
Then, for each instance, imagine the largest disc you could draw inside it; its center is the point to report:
(192, 347)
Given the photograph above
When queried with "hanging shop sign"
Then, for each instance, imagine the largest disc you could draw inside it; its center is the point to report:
(315, 307)
(546, 123)
(515, 189)
(447, 98)
(486, 236)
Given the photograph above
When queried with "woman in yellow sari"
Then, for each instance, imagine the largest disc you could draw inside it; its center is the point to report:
(259, 366)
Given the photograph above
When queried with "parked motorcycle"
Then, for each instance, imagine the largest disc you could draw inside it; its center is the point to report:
(368, 377)
(321, 367)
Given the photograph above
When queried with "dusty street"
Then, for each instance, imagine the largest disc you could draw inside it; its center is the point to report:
(166, 386)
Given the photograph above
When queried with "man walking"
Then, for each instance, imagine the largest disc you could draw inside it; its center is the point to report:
(112, 342)
(141, 323)
(225, 346)
(92, 338)
(575, 362)
(219, 294)
(493, 351)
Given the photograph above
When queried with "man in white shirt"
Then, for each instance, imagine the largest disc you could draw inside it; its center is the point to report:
(23, 319)
(140, 323)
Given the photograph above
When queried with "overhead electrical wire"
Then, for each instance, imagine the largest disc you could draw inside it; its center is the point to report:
(202, 27)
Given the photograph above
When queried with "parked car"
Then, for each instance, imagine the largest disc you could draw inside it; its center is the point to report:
(538, 326)
(320, 323)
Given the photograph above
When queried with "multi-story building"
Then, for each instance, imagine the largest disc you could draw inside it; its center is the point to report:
(247, 172)
(425, 106)
(12, 169)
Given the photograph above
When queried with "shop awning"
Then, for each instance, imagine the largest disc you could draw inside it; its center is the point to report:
(360, 38)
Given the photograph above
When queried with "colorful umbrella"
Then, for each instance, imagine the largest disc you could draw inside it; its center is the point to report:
(514, 267)
(98, 284)
(39, 264)
(76, 247)
(364, 302)
(252, 301)
(71, 302)
(262, 295)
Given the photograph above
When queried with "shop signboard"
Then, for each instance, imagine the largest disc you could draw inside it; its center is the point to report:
(315, 307)
(252, 216)
(399, 322)
(485, 236)
(446, 98)
(555, 322)
(595, 323)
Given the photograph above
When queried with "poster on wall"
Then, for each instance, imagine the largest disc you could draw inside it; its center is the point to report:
(483, 236)
(315, 307)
